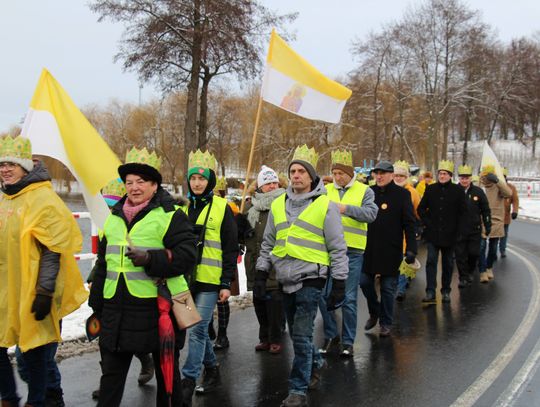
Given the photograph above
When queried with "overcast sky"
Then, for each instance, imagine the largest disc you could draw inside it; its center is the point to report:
(65, 37)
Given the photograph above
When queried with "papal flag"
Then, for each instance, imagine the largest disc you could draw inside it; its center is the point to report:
(58, 129)
(292, 83)
(489, 159)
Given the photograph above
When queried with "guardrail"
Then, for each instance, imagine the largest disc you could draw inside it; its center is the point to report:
(530, 189)
(93, 237)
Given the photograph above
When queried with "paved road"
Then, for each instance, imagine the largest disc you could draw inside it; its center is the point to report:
(480, 350)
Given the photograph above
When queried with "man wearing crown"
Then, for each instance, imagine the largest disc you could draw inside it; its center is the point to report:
(478, 215)
(303, 241)
(357, 208)
(40, 282)
(443, 210)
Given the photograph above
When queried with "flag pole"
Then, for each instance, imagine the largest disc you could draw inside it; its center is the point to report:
(251, 151)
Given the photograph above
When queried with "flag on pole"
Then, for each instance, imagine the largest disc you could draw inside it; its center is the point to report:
(489, 159)
(293, 84)
(58, 129)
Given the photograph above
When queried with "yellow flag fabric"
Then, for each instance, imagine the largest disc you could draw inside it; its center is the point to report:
(94, 162)
(41, 217)
(490, 159)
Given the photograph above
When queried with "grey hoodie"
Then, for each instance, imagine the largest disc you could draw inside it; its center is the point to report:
(290, 272)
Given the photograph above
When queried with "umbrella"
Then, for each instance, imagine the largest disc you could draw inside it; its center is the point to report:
(166, 338)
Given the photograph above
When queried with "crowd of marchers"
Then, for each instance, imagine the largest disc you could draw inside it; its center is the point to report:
(309, 242)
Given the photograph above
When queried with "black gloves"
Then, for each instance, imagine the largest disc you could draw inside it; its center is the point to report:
(514, 215)
(337, 295)
(492, 178)
(139, 258)
(410, 257)
(41, 306)
(259, 286)
(488, 230)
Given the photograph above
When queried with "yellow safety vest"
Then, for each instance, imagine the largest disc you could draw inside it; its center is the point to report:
(146, 234)
(355, 232)
(210, 268)
(304, 238)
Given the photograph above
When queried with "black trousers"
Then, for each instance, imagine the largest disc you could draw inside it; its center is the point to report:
(115, 367)
(467, 252)
(270, 315)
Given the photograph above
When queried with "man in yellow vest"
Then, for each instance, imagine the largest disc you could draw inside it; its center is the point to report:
(356, 203)
(303, 241)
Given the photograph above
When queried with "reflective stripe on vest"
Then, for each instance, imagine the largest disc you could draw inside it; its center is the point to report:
(304, 238)
(210, 267)
(354, 232)
(146, 234)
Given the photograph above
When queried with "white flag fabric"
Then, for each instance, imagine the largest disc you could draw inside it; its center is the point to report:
(489, 159)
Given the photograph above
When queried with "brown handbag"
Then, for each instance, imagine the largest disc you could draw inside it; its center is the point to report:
(185, 311)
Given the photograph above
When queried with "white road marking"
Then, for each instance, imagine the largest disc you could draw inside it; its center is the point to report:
(493, 371)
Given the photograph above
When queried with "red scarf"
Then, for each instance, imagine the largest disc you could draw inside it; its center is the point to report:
(130, 210)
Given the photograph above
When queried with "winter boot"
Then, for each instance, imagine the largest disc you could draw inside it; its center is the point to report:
(489, 273)
(222, 342)
(188, 386)
(54, 398)
(211, 380)
(295, 400)
(484, 277)
(147, 369)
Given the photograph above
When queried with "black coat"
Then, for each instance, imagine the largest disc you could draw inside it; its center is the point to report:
(384, 249)
(128, 323)
(478, 212)
(443, 210)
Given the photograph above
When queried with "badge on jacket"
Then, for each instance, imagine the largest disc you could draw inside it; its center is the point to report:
(384, 206)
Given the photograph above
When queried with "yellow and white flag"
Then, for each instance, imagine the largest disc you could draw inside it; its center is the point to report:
(58, 129)
(489, 159)
(292, 83)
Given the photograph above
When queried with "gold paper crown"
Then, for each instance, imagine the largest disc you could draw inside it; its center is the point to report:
(487, 169)
(475, 178)
(203, 160)
(143, 157)
(464, 170)
(114, 188)
(402, 164)
(446, 165)
(306, 154)
(17, 150)
(342, 157)
(221, 184)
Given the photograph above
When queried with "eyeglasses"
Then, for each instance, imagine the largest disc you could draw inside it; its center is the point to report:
(8, 166)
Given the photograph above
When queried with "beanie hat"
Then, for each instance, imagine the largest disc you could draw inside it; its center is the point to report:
(347, 169)
(203, 172)
(266, 176)
(342, 160)
(17, 150)
(309, 168)
(401, 168)
(141, 162)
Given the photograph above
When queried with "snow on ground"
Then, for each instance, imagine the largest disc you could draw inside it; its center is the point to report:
(529, 207)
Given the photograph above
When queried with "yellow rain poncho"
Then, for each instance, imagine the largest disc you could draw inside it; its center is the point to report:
(35, 214)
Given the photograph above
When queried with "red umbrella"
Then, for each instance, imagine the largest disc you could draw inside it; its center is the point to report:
(166, 339)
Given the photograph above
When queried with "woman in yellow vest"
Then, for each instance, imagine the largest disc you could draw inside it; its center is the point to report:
(40, 282)
(218, 250)
(145, 239)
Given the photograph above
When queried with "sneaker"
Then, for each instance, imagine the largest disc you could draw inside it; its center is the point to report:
(262, 346)
(328, 345)
(147, 369)
(222, 342)
(484, 277)
(188, 386)
(294, 400)
(384, 331)
(347, 351)
(400, 297)
(371, 322)
(446, 298)
(54, 398)
(429, 298)
(275, 348)
(211, 380)
(315, 379)
(489, 273)
(503, 255)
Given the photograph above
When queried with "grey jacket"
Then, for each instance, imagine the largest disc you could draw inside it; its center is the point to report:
(290, 271)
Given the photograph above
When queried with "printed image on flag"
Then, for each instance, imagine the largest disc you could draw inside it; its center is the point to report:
(292, 83)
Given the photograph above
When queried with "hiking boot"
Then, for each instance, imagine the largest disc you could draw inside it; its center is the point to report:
(371, 322)
(347, 351)
(429, 298)
(446, 298)
(315, 379)
(489, 273)
(188, 386)
(275, 348)
(222, 342)
(294, 400)
(384, 331)
(211, 380)
(147, 369)
(95, 394)
(54, 398)
(484, 277)
(262, 346)
(328, 345)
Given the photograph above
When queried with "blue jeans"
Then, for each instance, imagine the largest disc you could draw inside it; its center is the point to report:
(349, 308)
(201, 350)
(54, 379)
(301, 310)
(384, 309)
(447, 260)
(36, 363)
(503, 240)
(403, 280)
(486, 262)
